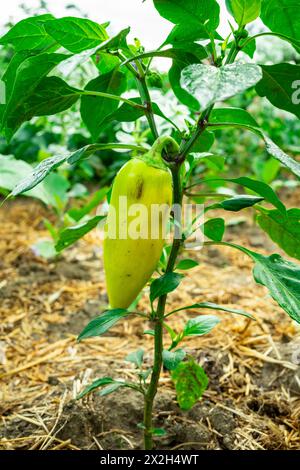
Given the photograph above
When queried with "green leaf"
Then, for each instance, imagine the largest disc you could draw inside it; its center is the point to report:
(158, 432)
(244, 11)
(11, 170)
(214, 229)
(204, 143)
(103, 323)
(38, 174)
(224, 82)
(164, 284)
(250, 48)
(70, 235)
(30, 34)
(213, 306)
(190, 383)
(185, 264)
(234, 117)
(136, 357)
(282, 16)
(171, 359)
(178, 66)
(94, 109)
(51, 96)
(126, 113)
(149, 332)
(201, 325)
(27, 77)
(190, 12)
(105, 62)
(10, 73)
(237, 203)
(116, 42)
(182, 34)
(76, 34)
(283, 229)
(97, 197)
(277, 86)
(94, 385)
(111, 388)
(44, 248)
(281, 277)
(262, 189)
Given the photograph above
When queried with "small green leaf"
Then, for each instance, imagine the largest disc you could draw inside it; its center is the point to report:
(213, 306)
(110, 389)
(116, 42)
(158, 432)
(224, 82)
(164, 284)
(136, 357)
(103, 323)
(144, 374)
(94, 201)
(185, 264)
(76, 34)
(200, 325)
(214, 229)
(244, 11)
(94, 385)
(262, 189)
(204, 143)
(149, 332)
(44, 248)
(190, 383)
(237, 203)
(12, 170)
(70, 235)
(38, 174)
(171, 359)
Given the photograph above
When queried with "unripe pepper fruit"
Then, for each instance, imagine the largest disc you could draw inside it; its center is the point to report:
(131, 257)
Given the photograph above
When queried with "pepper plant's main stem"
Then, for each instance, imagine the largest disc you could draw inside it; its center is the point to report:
(159, 319)
(177, 199)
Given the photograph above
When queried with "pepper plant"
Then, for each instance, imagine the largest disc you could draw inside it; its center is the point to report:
(206, 70)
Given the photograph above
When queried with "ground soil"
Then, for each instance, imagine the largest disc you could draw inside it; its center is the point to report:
(253, 398)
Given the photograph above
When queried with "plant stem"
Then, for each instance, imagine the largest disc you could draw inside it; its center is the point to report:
(159, 318)
(146, 99)
(112, 97)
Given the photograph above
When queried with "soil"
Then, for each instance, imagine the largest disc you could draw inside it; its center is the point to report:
(253, 398)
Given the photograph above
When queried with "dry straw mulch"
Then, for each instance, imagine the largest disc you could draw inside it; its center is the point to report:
(253, 366)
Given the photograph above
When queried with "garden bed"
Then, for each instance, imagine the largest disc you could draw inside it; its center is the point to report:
(253, 399)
